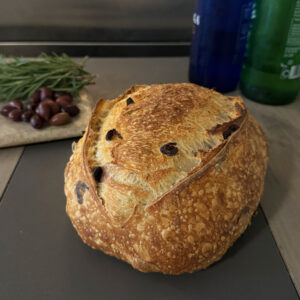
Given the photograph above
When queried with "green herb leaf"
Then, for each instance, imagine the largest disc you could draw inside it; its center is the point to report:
(21, 77)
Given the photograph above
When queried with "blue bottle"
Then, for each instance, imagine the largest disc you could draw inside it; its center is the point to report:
(219, 42)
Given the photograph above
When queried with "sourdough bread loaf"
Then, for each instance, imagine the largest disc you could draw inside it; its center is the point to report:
(166, 176)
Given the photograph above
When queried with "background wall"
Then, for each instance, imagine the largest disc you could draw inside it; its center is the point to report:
(96, 20)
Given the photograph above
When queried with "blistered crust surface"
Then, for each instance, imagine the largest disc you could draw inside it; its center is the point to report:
(136, 172)
(190, 226)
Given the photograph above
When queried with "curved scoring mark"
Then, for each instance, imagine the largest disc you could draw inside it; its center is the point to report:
(229, 131)
(80, 190)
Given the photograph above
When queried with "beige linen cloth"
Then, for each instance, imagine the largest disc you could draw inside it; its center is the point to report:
(21, 133)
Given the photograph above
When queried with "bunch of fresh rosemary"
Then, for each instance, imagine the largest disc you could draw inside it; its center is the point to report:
(21, 77)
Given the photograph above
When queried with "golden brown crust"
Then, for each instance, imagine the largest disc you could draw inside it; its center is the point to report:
(190, 221)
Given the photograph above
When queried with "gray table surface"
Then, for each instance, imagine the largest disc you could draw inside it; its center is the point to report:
(41, 257)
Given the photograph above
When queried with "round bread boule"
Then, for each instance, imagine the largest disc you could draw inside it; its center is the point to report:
(166, 176)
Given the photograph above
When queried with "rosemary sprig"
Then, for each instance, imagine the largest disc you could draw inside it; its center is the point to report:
(21, 77)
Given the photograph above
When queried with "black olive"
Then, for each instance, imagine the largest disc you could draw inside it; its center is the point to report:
(36, 121)
(15, 115)
(119, 135)
(5, 110)
(26, 115)
(97, 173)
(80, 190)
(72, 110)
(111, 133)
(129, 101)
(169, 149)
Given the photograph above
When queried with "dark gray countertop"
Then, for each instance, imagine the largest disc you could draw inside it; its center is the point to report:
(43, 258)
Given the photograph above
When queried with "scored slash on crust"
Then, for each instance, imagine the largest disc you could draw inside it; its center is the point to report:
(227, 133)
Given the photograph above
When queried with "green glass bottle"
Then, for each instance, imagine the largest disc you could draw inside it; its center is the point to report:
(271, 71)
